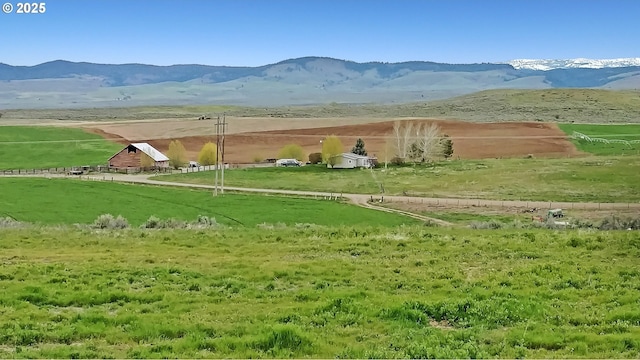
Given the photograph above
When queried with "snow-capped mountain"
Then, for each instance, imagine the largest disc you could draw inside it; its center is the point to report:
(550, 64)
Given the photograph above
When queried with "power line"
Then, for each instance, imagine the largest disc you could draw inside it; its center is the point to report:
(287, 135)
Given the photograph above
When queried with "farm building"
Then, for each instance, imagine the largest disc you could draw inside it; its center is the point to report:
(131, 156)
(352, 161)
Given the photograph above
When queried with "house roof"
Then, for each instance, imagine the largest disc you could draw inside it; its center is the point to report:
(149, 150)
(353, 156)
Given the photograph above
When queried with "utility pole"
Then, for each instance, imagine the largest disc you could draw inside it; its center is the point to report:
(215, 189)
(220, 132)
(224, 126)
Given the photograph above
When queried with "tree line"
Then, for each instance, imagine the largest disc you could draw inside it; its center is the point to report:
(408, 141)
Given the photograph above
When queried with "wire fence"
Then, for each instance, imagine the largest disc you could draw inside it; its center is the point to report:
(515, 203)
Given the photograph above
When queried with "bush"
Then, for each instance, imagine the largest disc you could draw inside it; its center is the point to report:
(617, 223)
(206, 221)
(397, 161)
(492, 224)
(107, 221)
(157, 223)
(315, 158)
(154, 222)
(7, 222)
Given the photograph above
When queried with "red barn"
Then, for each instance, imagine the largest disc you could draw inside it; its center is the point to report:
(131, 156)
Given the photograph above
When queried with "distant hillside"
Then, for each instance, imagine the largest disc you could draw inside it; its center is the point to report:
(302, 81)
(550, 105)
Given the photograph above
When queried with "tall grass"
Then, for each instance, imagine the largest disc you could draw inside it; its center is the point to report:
(339, 292)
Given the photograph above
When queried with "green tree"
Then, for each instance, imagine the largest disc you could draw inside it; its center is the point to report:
(331, 147)
(292, 151)
(177, 154)
(359, 148)
(447, 146)
(207, 155)
(146, 161)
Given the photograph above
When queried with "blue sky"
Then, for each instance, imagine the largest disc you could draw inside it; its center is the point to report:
(259, 32)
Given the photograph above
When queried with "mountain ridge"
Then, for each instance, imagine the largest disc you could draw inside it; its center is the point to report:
(581, 63)
(296, 81)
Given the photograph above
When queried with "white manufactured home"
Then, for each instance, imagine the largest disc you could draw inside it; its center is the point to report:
(352, 161)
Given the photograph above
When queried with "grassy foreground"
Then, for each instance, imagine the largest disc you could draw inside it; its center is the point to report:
(601, 179)
(319, 292)
(24, 147)
(68, 201)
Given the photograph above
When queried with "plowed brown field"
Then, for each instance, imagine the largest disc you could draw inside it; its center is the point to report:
(471, 140)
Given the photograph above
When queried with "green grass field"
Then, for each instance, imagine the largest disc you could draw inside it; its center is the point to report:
(24, 147)
(338, 292)
(610, 179)
(67, 201)
(610, 133)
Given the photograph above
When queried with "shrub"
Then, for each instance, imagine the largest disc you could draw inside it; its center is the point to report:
(205, 221)
(397, 161)
(7, 222)
(154, 222)
(315, 158)
(617, 223)
(107, 221)
(492, 224)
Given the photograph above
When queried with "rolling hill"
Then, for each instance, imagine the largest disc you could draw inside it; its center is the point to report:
(302, 81)
(549, 105)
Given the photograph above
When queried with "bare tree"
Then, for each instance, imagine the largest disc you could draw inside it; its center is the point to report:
(415, 142)
(401, 136)
(428, 140)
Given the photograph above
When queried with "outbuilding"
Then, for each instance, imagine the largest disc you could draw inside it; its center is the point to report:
(131, 157)
(351, 161)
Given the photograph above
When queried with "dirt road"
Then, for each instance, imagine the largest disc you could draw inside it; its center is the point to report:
(363, 200)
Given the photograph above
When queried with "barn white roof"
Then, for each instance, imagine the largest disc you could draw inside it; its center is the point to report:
(151, 151)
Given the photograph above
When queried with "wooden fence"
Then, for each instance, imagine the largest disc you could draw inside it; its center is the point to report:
(79, 170)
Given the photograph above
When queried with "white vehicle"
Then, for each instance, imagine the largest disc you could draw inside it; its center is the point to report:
(194, 164)
(288, 162)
